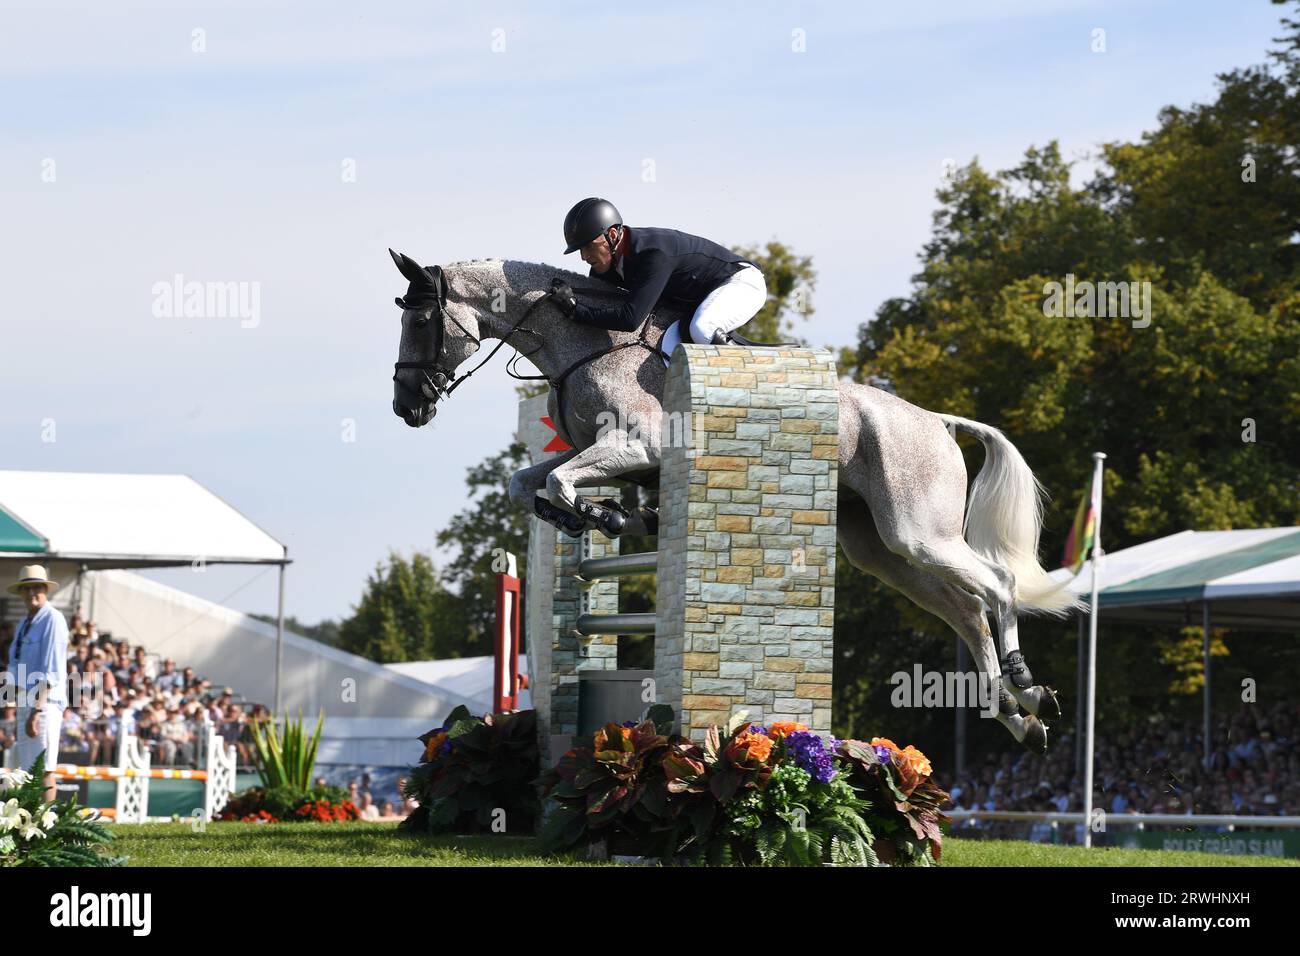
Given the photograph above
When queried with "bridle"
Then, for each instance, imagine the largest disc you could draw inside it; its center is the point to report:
(439, 382)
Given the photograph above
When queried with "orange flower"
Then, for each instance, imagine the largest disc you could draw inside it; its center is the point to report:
(782, 728)
(756, 746)
(431, 747)
(912, 767)
(885, 742)
(918, 760)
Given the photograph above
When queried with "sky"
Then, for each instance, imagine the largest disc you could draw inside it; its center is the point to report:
(285, 147)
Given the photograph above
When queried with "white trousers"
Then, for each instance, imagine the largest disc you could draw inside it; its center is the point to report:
(48, 725)
(725, 309)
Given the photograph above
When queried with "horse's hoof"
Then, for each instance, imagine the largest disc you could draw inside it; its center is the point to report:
(609, 516)
(1049, 707)
(1035, 739)
(1039, 701)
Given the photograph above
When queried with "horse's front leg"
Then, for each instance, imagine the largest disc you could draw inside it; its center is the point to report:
(615, 453)
(527, 482)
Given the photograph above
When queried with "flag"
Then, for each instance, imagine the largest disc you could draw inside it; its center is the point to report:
(1083, 534)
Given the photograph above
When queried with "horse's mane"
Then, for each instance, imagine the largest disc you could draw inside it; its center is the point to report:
(523, 275)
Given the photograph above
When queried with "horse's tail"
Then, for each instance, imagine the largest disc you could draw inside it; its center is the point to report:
(1004, 518)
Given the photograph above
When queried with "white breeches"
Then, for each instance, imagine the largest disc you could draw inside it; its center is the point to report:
(725, 309)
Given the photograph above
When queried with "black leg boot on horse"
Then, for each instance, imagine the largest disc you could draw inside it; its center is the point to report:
(606, 516)
(1038, 700)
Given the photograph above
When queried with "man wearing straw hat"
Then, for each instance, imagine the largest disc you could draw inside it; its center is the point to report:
(38, 659)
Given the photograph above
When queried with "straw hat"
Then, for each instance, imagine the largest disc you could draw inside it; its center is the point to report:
(32, 574)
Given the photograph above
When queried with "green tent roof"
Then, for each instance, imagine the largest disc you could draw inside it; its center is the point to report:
(16, 536)
(1189, 581)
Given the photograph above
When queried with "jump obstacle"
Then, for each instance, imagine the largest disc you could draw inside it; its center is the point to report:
(745, 568)
(132, 773)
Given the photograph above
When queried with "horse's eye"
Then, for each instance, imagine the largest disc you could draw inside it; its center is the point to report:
(422, 319)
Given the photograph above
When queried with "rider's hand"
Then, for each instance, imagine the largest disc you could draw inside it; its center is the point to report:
(562, 295)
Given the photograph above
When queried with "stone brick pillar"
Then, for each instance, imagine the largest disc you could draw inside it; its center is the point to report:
(554, 601)
(746, 597)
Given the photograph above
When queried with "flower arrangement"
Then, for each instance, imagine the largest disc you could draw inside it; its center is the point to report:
(477, 775)
(613, 790)
(322, 811)
(776, 795)
(289, 805)
(34, 832)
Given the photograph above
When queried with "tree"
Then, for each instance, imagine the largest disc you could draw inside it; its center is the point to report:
(406, 614)
(493, 525)
(791, 280)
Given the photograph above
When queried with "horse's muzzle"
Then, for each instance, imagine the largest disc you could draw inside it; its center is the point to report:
(415, 417)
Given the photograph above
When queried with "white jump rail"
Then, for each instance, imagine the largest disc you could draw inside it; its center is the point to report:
(132, 774)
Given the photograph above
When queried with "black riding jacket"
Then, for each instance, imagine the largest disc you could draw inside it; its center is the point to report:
(660, 264)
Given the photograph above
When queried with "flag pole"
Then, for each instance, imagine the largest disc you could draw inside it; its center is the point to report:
(1091, 705)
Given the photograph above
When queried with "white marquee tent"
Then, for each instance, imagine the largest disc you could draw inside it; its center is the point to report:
(73, 522)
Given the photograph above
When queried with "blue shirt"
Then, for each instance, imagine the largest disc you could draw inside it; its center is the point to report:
(40, 654)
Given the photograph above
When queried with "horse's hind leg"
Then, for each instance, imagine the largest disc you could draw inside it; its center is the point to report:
(958, 608)
(910, 472)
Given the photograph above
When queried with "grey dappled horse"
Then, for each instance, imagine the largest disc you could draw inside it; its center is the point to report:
(903, 502)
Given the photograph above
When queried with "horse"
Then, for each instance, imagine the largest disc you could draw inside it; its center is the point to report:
(905, 515)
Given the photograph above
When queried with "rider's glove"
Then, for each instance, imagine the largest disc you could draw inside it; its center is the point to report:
(562, 295)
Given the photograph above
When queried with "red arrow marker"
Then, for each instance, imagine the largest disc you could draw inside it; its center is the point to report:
(557, 443)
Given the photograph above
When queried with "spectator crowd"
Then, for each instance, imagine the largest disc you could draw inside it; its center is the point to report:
(1253, 769)
(116, 689)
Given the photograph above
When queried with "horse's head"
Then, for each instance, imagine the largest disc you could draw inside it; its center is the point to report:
(438, 334)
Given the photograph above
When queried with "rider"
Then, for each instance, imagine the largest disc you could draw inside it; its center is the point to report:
(725, 290)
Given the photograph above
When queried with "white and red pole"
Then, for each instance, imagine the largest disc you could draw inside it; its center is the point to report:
(505, 689)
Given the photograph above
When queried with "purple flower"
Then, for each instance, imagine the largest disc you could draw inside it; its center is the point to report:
(755, 729)
(630, 724)
(884, 753)
(810, 754)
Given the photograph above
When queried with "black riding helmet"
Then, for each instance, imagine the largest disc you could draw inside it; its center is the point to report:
(587, 220)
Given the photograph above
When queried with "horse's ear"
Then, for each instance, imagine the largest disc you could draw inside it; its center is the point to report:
(408, 267)
(439, 281)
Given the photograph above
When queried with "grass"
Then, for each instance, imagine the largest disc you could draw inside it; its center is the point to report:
(316, 844)
(382, 844)
(958, 852)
